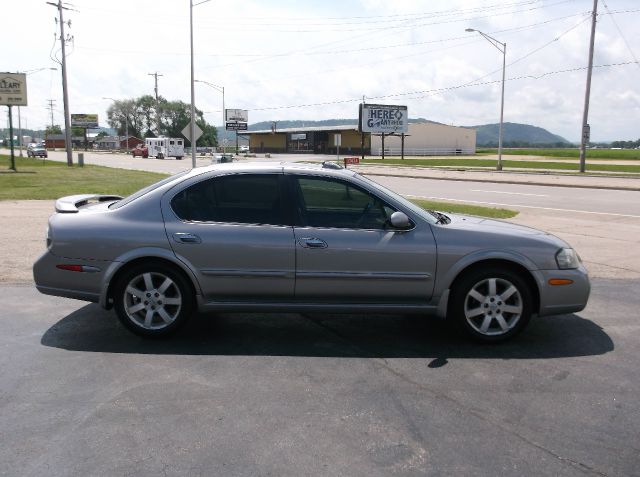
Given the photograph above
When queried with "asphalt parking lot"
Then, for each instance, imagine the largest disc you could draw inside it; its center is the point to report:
(293, 394)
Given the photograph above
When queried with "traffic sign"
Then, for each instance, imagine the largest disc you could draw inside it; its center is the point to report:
(186, 132)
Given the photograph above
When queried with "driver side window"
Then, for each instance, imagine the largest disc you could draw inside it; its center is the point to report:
(330, 203)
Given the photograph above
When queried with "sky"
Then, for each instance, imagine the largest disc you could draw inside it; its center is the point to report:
(313, 59)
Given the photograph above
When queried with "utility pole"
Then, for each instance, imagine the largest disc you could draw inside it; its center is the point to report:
(65, 93)
(50, 108)
(585, 115)
(155, 89)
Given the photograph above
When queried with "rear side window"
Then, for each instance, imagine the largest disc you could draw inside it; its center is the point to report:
(242, 199)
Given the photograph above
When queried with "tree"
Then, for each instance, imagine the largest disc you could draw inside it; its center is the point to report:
(55, 129)
(209, 136)
(147, 118)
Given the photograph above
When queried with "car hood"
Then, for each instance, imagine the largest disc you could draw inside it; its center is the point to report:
(469, 235)
(491, 225)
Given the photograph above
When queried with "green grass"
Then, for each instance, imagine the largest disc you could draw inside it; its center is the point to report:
(38, 179)
(466, 209)
(506, 164)
(570, 153)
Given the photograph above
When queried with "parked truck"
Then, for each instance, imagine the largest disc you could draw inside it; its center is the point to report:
(164, 147)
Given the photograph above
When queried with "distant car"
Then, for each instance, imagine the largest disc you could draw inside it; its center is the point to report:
(217, 158)
(31, 146)
(140, 150)
(244, 148)
(278, 237)
(37, 152)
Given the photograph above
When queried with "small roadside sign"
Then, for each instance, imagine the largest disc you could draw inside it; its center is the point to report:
(186, 132)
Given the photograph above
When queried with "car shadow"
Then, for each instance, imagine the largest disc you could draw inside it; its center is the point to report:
(93, 329)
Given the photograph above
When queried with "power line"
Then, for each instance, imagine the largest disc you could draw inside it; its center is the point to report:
(620, 32)
(431, 92)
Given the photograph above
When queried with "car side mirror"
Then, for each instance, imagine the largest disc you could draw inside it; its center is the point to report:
(399, 220)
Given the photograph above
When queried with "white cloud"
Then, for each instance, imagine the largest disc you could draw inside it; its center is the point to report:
(286, 53)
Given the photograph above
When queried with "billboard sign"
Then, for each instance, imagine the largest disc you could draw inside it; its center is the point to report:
(383, 118)
(236, 115)
(87, 121)
(13, 89)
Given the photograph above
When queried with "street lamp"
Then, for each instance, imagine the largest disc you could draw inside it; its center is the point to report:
(221, 90)
(126, 125)
(193, 93)
(502, 47)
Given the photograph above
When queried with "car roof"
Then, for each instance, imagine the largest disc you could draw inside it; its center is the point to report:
(328, 168)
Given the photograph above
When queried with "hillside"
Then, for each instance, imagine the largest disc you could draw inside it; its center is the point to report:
(516, 135)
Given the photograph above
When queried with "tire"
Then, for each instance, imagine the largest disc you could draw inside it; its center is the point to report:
(491, 305)
(153, 300)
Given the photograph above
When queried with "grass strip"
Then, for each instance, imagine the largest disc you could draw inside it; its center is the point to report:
(38, 179)
(570, 153)
(458, 208)
(506, 164)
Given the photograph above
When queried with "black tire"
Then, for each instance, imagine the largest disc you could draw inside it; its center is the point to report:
(153, 300)
(490, 305)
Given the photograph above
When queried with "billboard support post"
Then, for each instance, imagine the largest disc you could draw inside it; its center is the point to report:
(13, 157)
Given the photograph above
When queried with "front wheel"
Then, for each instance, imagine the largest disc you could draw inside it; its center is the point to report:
(491, 305)
(153, 300)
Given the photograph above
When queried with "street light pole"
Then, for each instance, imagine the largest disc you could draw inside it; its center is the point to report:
(498, 44)
(193, 93)
(221, 90)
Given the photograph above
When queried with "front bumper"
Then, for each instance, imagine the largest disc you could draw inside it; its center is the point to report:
(560, 299)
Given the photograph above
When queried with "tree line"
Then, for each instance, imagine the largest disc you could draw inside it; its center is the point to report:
(145, 117)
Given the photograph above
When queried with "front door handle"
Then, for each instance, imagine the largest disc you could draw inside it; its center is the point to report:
(312, 242)
(183, 237)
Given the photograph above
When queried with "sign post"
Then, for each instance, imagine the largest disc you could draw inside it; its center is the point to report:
(13, 92)
(236, 120)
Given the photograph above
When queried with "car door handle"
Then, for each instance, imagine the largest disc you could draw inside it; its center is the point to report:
(183, 237)
(312, 242)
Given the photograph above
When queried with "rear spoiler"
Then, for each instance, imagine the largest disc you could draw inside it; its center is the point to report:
(71, 203)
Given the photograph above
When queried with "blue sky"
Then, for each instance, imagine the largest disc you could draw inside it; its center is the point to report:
(316, 59)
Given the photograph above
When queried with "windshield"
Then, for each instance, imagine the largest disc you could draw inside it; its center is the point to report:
(142, 192)
(426, 215)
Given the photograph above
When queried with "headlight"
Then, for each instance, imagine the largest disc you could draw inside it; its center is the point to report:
(567, 258)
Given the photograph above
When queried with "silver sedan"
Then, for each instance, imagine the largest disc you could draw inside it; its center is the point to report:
(291, 237)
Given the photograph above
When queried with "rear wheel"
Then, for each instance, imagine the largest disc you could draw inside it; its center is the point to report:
(491, 305)
(153, 300)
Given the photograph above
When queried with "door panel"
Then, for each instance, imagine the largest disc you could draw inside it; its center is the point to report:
(347, 251)
(365, 265)
(232, 231)
(235, 261)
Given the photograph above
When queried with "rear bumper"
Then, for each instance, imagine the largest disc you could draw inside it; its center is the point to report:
(84, 286)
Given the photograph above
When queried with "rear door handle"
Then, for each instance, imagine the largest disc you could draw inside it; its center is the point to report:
(312, 242)
(183, 237)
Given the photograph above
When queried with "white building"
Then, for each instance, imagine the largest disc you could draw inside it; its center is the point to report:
(427, 139)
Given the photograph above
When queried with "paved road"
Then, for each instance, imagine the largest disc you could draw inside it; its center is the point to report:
(291, 395)
(614, 203)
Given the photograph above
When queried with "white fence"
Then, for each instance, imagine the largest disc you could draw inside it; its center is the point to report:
(424, 151)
